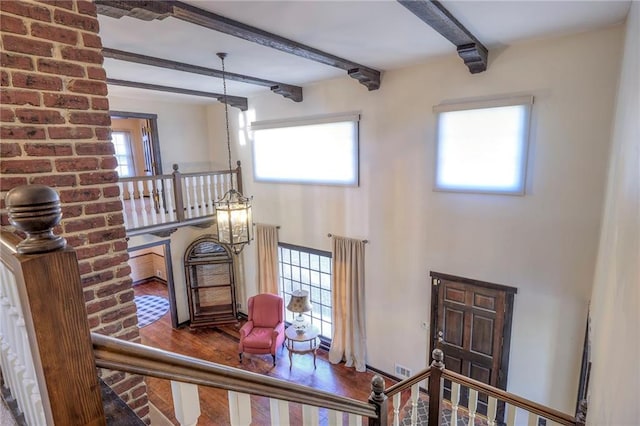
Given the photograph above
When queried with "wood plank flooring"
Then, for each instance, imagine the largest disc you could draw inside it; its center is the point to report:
(220, 345)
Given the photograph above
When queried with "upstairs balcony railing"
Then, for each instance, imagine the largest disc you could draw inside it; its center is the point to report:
(162, 203)
(48, 358)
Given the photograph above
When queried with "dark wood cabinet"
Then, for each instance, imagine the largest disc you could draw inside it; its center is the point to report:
(211, 290)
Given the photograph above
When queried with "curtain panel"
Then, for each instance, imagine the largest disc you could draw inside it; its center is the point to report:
(267, 248)
(348, 340)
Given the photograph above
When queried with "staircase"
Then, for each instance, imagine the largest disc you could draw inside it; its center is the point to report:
(48, 357)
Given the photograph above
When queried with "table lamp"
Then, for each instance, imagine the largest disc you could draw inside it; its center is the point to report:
(299, 303)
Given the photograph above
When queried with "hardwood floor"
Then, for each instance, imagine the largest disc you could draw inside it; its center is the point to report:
(220, 345)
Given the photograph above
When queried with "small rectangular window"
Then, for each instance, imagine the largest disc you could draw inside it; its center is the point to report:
(482, 146)
(321, 150)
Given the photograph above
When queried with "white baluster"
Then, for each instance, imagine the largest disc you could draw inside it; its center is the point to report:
(310, 415)
(169, 195)
(355, 420)
(217, 194)
(210, 200)
(203, 200)
(186, 403)
(187, 194)
(143, 206)
(125, 216)
(532, 420)
(132, 204)
(334, 418)
(473, 406)
(415, 392)
(152, 208)
(239, 409)
(491, 411)
(455, 401)
(396, 408)
(279, 411)
(511, 415)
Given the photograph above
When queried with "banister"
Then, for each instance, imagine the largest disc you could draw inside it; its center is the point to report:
(407, 383)
(135, 358)
(528, 405)
(144, 178)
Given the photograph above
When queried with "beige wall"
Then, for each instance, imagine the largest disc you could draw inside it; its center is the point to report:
(182, 131)
(544, 243)
(615, 376)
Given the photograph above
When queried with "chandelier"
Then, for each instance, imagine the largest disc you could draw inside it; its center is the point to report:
(233, 210)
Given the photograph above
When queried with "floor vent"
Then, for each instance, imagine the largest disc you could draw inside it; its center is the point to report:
(402, 371)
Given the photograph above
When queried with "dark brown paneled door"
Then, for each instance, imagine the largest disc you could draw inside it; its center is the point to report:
(471, 324)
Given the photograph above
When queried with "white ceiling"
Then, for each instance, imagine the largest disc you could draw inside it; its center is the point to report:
(380, 34)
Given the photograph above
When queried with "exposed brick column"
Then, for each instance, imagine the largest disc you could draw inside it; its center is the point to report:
(56, 131)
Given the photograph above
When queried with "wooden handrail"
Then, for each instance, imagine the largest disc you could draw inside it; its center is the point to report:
(528, 405)
(407, 383)
(135, 358)
(144, 178)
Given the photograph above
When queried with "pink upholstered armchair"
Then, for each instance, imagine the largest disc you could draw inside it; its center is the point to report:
(263, 333)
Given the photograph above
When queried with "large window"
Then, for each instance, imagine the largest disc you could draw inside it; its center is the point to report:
(122, 145)
(320, 150)
(307, 269)
(482, 146)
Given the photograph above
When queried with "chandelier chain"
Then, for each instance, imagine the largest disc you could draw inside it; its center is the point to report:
(226, 115)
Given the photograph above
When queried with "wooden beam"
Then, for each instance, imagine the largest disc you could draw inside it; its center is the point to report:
(149, 10)
(473, 53)
(234, 101)
(287, 90)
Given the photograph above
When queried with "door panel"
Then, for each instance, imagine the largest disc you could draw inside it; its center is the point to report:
(454, 331)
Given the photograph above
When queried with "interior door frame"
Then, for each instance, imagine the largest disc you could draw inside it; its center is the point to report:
(155, 138)
(510, 292)
(171, 292)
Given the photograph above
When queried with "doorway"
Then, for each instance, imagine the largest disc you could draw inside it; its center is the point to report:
(140, 130)
(471, 323)
(152, 274)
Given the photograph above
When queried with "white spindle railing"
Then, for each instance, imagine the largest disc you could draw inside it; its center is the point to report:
(186, 403)
(16, 359)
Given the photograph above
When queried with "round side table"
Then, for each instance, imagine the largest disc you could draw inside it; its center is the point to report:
(301, 343)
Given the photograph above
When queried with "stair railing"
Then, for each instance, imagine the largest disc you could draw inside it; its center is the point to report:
(187, 372)
(434, 376)
(163, 202)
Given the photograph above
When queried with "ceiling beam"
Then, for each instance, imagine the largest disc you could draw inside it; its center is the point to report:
(149, 10)
(234, 101)
(287, 90)
(473, 53)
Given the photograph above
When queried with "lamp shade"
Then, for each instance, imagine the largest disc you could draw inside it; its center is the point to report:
(299, 301)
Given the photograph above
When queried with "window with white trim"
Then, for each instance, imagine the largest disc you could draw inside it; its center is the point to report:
(303, 268)
(123, 153)
(482, 146)
(318, 150)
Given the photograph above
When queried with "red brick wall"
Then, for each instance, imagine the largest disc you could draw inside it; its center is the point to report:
(56, 131)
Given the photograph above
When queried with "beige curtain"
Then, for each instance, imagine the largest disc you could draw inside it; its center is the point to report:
(348, 340)
(267, 244)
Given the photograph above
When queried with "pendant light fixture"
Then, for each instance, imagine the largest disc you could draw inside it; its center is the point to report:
(233, 210)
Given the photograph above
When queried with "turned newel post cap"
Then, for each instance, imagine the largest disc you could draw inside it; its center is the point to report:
(377, 389)
(35, 210)
(438, 358)
(175, 167)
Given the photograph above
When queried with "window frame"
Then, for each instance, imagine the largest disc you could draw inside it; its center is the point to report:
(316, 320)
(300, 122)
(526, 101)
